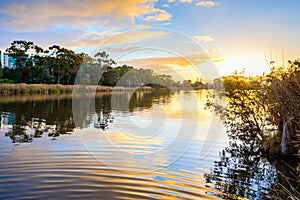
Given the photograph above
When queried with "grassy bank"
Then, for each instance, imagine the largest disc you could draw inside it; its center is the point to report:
(20, 89)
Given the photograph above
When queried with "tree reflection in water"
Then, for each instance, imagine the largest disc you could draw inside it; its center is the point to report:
(25, 118)
(22, 130)
(243, 171)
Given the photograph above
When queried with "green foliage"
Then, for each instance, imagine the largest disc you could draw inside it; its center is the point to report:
(61, 66)
(5, 80)
(56, 65)
(257, 106)
(99, 70)
(243, 112)
(20, 50)
(39, 74)
(65, 64)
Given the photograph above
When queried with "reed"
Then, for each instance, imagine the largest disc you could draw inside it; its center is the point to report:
(282, 89)
(21, 89)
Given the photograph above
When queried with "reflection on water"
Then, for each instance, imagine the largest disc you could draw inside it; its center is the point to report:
(42, 156)
(25, 119)
(242, 172)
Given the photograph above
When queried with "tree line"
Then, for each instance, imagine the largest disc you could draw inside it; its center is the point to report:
(59, 65)
(33, 64)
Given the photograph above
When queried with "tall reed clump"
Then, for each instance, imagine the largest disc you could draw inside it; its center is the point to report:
(282, 89)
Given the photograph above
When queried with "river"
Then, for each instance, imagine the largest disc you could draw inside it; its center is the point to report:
(123, 145)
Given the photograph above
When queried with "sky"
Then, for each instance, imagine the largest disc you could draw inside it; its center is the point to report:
(187, 39)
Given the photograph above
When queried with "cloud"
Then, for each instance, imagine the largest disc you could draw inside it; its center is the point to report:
(218, 59)
(170, 61)
(214, 50)
(166, 5)
(106, 38)
(76, 38)
(186, 1)
(158, 15)
(203, 38)
(207, 3)
(44, 39)
(188, 67)
(121, 49)
(34, 15)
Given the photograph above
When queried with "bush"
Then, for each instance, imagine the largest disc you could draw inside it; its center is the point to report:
(7, 81)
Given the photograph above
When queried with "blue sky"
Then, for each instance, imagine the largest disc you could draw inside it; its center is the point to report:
(226, 35)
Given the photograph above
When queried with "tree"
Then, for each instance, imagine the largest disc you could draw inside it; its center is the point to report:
(39, 74)
(20, 50)
(98, 67)
(65, 64)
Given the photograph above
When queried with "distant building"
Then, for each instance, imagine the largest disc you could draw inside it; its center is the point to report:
(1, 62)
(8, 61)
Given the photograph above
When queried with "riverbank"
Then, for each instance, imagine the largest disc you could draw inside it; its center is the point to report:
(23, 89)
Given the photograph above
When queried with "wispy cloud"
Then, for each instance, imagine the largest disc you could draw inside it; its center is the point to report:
(158, 15)
(204, 38)
(207, 3)
(97, 39)
(121, 49)
(76, 38)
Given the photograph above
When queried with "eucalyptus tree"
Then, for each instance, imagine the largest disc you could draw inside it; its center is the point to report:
(65, 64)
(20, 51)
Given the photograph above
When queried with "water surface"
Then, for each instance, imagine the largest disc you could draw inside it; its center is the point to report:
(124, 151)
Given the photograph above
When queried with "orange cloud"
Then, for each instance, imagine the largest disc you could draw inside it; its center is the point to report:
(180, 68)
(170, 61)
(186, 1)
(40, 15)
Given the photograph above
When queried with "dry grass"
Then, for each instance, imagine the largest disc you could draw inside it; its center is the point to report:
(20, 89)
(283, 98)
(17, 89)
